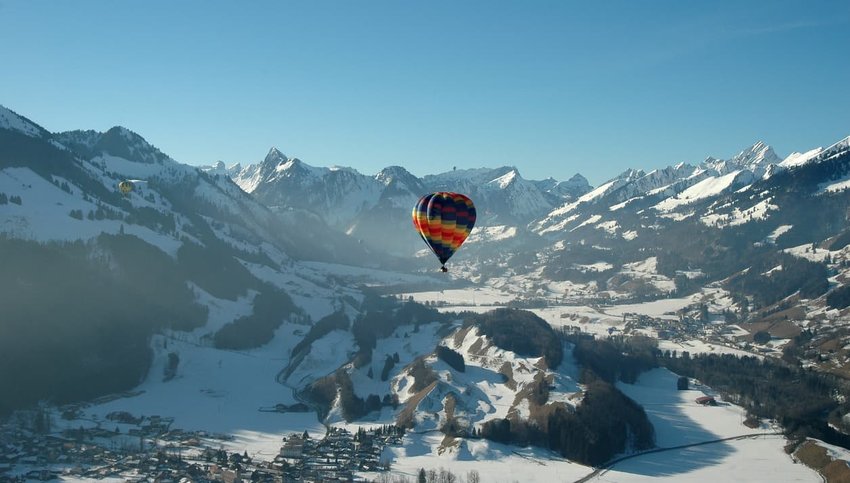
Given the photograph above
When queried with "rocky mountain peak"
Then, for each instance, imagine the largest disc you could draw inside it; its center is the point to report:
(274, 158)
(757, 154)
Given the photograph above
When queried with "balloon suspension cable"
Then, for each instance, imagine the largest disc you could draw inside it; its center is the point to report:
(444, 269)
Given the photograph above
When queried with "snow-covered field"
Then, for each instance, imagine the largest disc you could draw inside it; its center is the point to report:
(219, 391)
(468, 297)
(678, 420)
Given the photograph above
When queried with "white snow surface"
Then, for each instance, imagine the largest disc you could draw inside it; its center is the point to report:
(798, 159)
(13, 122)
(835, 186)
(505, 180)
(648, 270)
(818, 255)
(491, 233)
(630, 235)
(555, 220)
(609, 227)
(678, 420)
(622, 205)
(779, 231)
(482, 296)
(593, 219)
(704, 189)
(129, 169)
(594, 267)
(757, 212)
(221, 391)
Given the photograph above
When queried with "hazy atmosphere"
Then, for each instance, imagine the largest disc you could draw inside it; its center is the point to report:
(424, 242)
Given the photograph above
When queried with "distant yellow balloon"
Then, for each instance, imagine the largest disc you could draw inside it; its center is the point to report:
(125, 187)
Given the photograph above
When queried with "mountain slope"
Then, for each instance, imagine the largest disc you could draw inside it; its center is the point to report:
(140, 262)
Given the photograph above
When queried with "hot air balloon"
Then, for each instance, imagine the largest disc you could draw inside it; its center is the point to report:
(129, 185)
(444, 220)
(125, 187)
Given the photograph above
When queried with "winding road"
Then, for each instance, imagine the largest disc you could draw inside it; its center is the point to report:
(609, 465)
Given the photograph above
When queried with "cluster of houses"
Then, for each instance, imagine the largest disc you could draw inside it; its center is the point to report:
(685, 328)
(28, 456)
(152, 451)
(337, 456)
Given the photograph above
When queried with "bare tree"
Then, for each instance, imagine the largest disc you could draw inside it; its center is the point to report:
(432, 476)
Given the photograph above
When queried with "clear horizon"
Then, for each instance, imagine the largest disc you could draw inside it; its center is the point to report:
(553, 88)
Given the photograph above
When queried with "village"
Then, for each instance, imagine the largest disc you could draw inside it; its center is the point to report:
(153, 451)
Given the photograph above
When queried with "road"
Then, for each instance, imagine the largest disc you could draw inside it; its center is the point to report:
(281, 380)
(609, 465)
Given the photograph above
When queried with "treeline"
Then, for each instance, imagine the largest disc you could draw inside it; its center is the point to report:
(5, 200)
(522, 332)
(451, 357)
(270, 308)
(606, 423)
(215, 270)
(430, 476)
(422, 374)
(563, 265)
(381, 316)
(616, 358)
(839, 298)
(389, 363)
(75, 318)
(804, 402)
(326, 390)
(796, 274)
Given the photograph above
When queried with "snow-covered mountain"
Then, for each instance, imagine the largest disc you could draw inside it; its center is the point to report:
(629, 214)
(366, 207)
(340, 195)
(218, 286)
(756, 159)
(670, 191)
(564, 190)
(159, 256)
(501, 195)
(334, 194)
(13, 122)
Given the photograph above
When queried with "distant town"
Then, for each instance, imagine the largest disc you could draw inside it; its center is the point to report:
(151, 450)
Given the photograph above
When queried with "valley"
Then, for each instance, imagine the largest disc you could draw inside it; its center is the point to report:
(216, 311)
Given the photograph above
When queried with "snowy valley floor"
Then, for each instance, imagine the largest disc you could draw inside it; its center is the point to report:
(221, 392)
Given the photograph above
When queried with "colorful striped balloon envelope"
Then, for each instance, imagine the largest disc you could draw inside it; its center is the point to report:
(444, 220)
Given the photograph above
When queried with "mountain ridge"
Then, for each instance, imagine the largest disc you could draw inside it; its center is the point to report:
(188, 272)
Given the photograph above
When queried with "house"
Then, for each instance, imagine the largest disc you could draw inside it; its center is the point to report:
(294, 448)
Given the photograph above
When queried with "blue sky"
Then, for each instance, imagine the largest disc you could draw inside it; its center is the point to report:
(553, 88)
